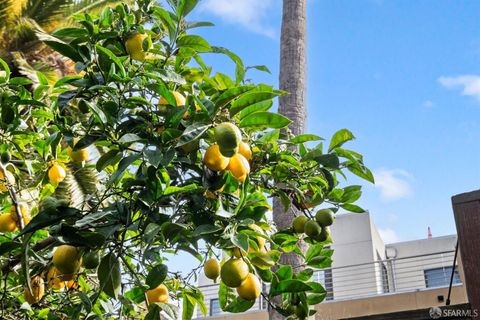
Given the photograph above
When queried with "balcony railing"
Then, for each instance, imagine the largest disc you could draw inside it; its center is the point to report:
(389, 276)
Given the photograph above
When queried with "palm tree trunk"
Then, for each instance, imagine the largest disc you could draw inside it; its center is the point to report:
(293, 66)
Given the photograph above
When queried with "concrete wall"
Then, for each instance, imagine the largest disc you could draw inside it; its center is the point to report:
(353, 246)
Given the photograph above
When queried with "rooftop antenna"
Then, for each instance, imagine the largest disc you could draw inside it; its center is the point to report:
(429, 233)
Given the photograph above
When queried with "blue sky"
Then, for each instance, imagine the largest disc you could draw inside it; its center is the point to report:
(404, 76)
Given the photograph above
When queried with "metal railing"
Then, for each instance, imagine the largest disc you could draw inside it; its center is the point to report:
(389, 276)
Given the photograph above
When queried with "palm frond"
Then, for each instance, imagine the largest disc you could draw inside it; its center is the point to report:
(9, 11)
(45, 12)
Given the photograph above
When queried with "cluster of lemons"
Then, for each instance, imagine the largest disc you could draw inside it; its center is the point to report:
(316, 229)
(235, 272)
(229, 152)
(66, 263)
(66, 259)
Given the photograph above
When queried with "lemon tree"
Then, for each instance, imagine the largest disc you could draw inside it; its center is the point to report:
(147, 152)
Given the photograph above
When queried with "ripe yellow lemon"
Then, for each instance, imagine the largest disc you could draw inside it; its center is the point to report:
(6, 179)
(79, 155)
(67, 259)
(212, 269)
(25, 214)
(179, 99)
(53, 279)
(251, 288)
(228, 137)
(234, 272)
(38, 290)
(7, 224)
(158, 294)
(239, 167)
(134, 46)
(244, 150)
(214, 160)
(56, 173)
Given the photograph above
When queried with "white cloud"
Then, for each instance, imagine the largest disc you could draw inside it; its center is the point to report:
(389, 235)
(470, 84)
(393, 184)
(428, 104)
(248, 13)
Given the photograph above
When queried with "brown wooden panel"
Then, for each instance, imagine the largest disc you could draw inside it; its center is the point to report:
(466, 208)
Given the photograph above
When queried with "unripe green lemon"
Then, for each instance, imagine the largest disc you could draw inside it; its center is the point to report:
(234, 272)
(6, 157)
(228, 137)
(91, 259)
(298, 224)
(323, 236)
(312, 229)
(325, 217)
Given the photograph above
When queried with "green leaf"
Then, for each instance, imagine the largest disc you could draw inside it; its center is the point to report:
(5, 67)
(48, 217)
(109, 158)
(251, 98)
(64, 49)
(196, 24)
(339, 138)
(71, 32)
(192, 132)
(194, 42)
(260, 68)
(240, 240)
(189, 303)
(109, 275)
(231, 94)
(9, 246)
(291, 285)
(361, 171)
(112, 57)
(153, 312)
(305, 138)
(185, 6)
(352, 208)
(156, 276)
(20, 81)
(260, 106)
(265, 119)
(136, 294)
(174, 189)
(230, 303)
(239, 67)
(122, 167)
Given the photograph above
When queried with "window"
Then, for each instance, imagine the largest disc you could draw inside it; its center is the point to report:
(324, 277)
(215, 307)
(440, 277)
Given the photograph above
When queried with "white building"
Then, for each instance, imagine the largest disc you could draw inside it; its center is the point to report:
(364, 267)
